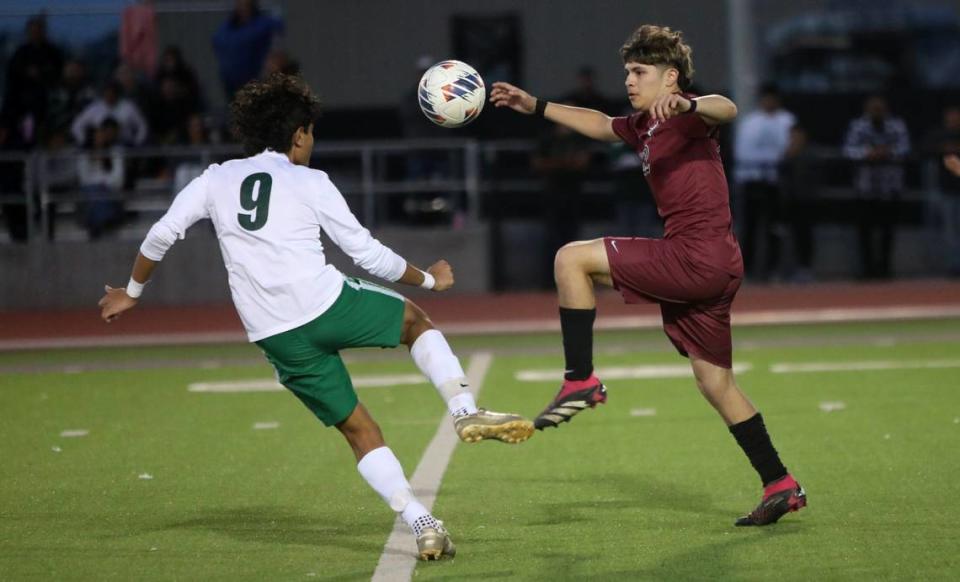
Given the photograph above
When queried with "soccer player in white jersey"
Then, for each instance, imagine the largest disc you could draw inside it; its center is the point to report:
(268, 210)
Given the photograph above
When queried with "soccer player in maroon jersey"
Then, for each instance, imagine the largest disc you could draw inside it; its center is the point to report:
(693, 272)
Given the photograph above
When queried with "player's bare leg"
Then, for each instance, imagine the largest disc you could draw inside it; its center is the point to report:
(781, 493)
(436, 360)
(381, 469)
(577, 268)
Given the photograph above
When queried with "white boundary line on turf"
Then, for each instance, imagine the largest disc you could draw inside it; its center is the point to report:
(861, 366)
(772, 317)
(271, 385)
(398, 558)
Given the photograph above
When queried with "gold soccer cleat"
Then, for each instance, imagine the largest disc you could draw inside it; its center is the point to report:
(434, 543)
(486, 424)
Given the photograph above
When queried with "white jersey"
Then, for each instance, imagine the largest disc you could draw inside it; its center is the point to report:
(268, 213)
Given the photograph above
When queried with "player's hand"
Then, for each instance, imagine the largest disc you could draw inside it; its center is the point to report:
(506, 95)
(443, 275)
(115, 302)
(667, 106)
(952, 163)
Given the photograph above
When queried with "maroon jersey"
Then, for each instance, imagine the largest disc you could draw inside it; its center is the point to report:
(681, 162)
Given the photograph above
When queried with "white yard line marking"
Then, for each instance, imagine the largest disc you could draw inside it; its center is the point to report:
(625, 373)
(265, 425)
(399, 558)
(830, 406)
(807, 367)
(270, 385)
(74, 433)
(643, 412)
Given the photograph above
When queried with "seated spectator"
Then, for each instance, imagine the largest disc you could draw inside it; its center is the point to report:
(197, 135)
(173, 109)
(100, 174)
(135, 87)
(131, 125)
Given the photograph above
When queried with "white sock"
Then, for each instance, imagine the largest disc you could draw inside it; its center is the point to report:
(381, 469)
(433, 356)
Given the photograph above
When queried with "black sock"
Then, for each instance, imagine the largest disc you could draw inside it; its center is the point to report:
(577, 328)
(752, 437)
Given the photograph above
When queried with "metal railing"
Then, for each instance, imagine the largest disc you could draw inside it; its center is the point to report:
(368, 173)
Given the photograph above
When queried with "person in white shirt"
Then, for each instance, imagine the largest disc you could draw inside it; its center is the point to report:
(133, 127)
(268, 211)
(760, 143)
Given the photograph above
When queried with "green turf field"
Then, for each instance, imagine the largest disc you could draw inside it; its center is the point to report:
(175, 485)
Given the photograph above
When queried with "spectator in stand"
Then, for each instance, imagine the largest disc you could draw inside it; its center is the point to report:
(170, 115)
(879, 142)
(132, 127)
(798, 175)
(135, 87)
(173, 66)
(944, 142)
(760, 142)
(32, 74)
(585, 94)
(562, 161)
(11, 186)
(69, 98)
(197, 135)
(242, 44)
(138, 37)
(100, 173)
(280, 61)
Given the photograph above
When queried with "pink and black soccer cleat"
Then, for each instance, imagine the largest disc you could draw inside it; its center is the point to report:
(574, 396)
(779, 498)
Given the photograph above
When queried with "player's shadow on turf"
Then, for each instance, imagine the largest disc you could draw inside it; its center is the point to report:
(620, 491)
(271, 525)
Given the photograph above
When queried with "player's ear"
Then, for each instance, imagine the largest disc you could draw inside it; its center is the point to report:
(670, 76)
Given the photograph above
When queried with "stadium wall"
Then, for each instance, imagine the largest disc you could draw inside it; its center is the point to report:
(63, 275)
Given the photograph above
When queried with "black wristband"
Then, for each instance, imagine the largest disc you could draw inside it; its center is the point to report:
(540, 108)
(693, 106)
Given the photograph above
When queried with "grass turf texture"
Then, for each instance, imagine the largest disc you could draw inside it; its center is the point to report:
(610, 497)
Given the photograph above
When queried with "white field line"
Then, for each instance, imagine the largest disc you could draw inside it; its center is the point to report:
(626, 372)
(866, 365)
(399, 557)
(772, 317)
(269, 385)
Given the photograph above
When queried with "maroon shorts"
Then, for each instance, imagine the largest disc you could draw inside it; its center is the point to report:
(694, 299)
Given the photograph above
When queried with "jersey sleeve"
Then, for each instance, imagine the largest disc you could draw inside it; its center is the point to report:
(346, 232)
(625, 128)
(188, 207)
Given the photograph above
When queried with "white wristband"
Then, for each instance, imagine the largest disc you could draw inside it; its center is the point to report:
(134, 289)
(428, 280)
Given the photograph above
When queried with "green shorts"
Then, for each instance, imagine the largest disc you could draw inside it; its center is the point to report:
(307, 358)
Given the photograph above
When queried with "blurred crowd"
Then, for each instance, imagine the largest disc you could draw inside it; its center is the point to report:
(50, 102)
(152, 98)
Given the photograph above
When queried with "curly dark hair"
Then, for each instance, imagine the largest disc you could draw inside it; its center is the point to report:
(266, 114)
(659, 45)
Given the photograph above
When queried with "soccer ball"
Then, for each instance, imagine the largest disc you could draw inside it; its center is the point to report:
(451, 94)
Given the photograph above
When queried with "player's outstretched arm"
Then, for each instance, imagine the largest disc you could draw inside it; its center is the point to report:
(438, 277)
(116, 301)
(712, 109)
(589, 122)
